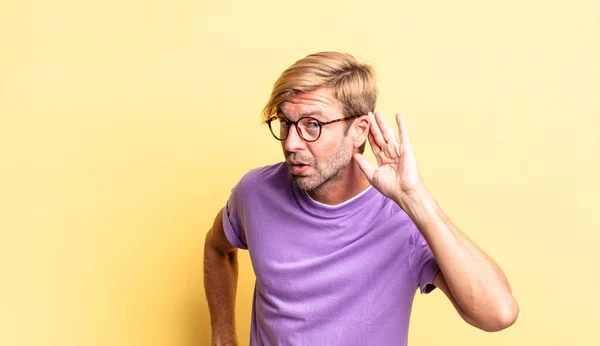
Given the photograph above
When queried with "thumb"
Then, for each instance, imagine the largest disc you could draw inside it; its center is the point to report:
(365, 166)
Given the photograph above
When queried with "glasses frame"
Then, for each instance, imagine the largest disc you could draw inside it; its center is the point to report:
(290, 123)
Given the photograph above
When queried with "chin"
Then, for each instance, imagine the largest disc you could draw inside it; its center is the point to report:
(304, 183)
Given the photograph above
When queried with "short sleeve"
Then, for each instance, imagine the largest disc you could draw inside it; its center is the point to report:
(233, 217)
(423, 265)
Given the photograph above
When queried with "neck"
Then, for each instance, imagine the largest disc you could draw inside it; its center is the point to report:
(350, 183)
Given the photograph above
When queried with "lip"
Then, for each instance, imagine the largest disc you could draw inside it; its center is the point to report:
(298, 167)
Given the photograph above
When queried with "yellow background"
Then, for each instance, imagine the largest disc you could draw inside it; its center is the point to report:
(124, 125)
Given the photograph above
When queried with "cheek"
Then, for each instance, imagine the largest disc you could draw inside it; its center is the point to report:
(323, 149)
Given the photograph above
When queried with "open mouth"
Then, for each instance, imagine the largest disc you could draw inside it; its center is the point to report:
(297, 167)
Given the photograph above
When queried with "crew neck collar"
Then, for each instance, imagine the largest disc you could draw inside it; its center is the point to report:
(329, 206)
(343, 208)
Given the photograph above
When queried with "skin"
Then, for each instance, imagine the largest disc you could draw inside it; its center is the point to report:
(220, 283)
(329, 173)
(470, 279)
(474, 284)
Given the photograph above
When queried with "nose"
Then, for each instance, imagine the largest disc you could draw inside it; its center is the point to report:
(293, 142)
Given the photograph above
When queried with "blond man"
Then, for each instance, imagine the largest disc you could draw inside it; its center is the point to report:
(339, 247)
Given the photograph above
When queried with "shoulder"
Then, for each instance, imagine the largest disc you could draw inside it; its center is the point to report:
(261, 188)
(265, 177)
(390, 213)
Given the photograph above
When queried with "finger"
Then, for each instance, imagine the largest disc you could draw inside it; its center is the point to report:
(376, 149)
(380, 155)
(386, 130)
(376, 132)
(365, 166)
(392, 146)
(402, 131)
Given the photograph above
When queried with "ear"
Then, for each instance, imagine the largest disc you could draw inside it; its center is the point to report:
(360, 129)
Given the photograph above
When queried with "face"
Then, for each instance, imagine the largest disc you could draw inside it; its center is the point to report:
(314, 165)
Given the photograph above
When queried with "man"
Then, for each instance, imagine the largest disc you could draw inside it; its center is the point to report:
(338, 246)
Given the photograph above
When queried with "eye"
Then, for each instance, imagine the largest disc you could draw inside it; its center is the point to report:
(284, 122)
(312, 125)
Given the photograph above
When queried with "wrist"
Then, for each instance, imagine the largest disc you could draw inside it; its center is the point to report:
(224, 340)
(224, 336)
(417, 203)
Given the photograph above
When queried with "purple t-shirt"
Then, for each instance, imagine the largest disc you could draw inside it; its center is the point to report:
(344, 275)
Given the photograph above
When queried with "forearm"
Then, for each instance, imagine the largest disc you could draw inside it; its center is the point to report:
(220, 284)
(477, 284)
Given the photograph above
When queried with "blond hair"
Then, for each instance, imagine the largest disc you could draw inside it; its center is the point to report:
(353, 83)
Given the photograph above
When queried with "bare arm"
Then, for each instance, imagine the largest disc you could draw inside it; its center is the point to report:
(472, 281)
(220, 283)
(475, 285)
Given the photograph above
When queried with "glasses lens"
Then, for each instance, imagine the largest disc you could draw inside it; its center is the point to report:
(279, 128)
(310, 128)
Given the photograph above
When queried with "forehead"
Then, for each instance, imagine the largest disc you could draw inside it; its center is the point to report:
(314, 102)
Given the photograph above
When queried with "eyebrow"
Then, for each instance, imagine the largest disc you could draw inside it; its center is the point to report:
(303, 115)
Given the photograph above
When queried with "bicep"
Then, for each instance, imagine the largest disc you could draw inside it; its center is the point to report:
(216, 237)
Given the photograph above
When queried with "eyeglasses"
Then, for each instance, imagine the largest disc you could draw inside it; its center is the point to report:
(308, 128)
